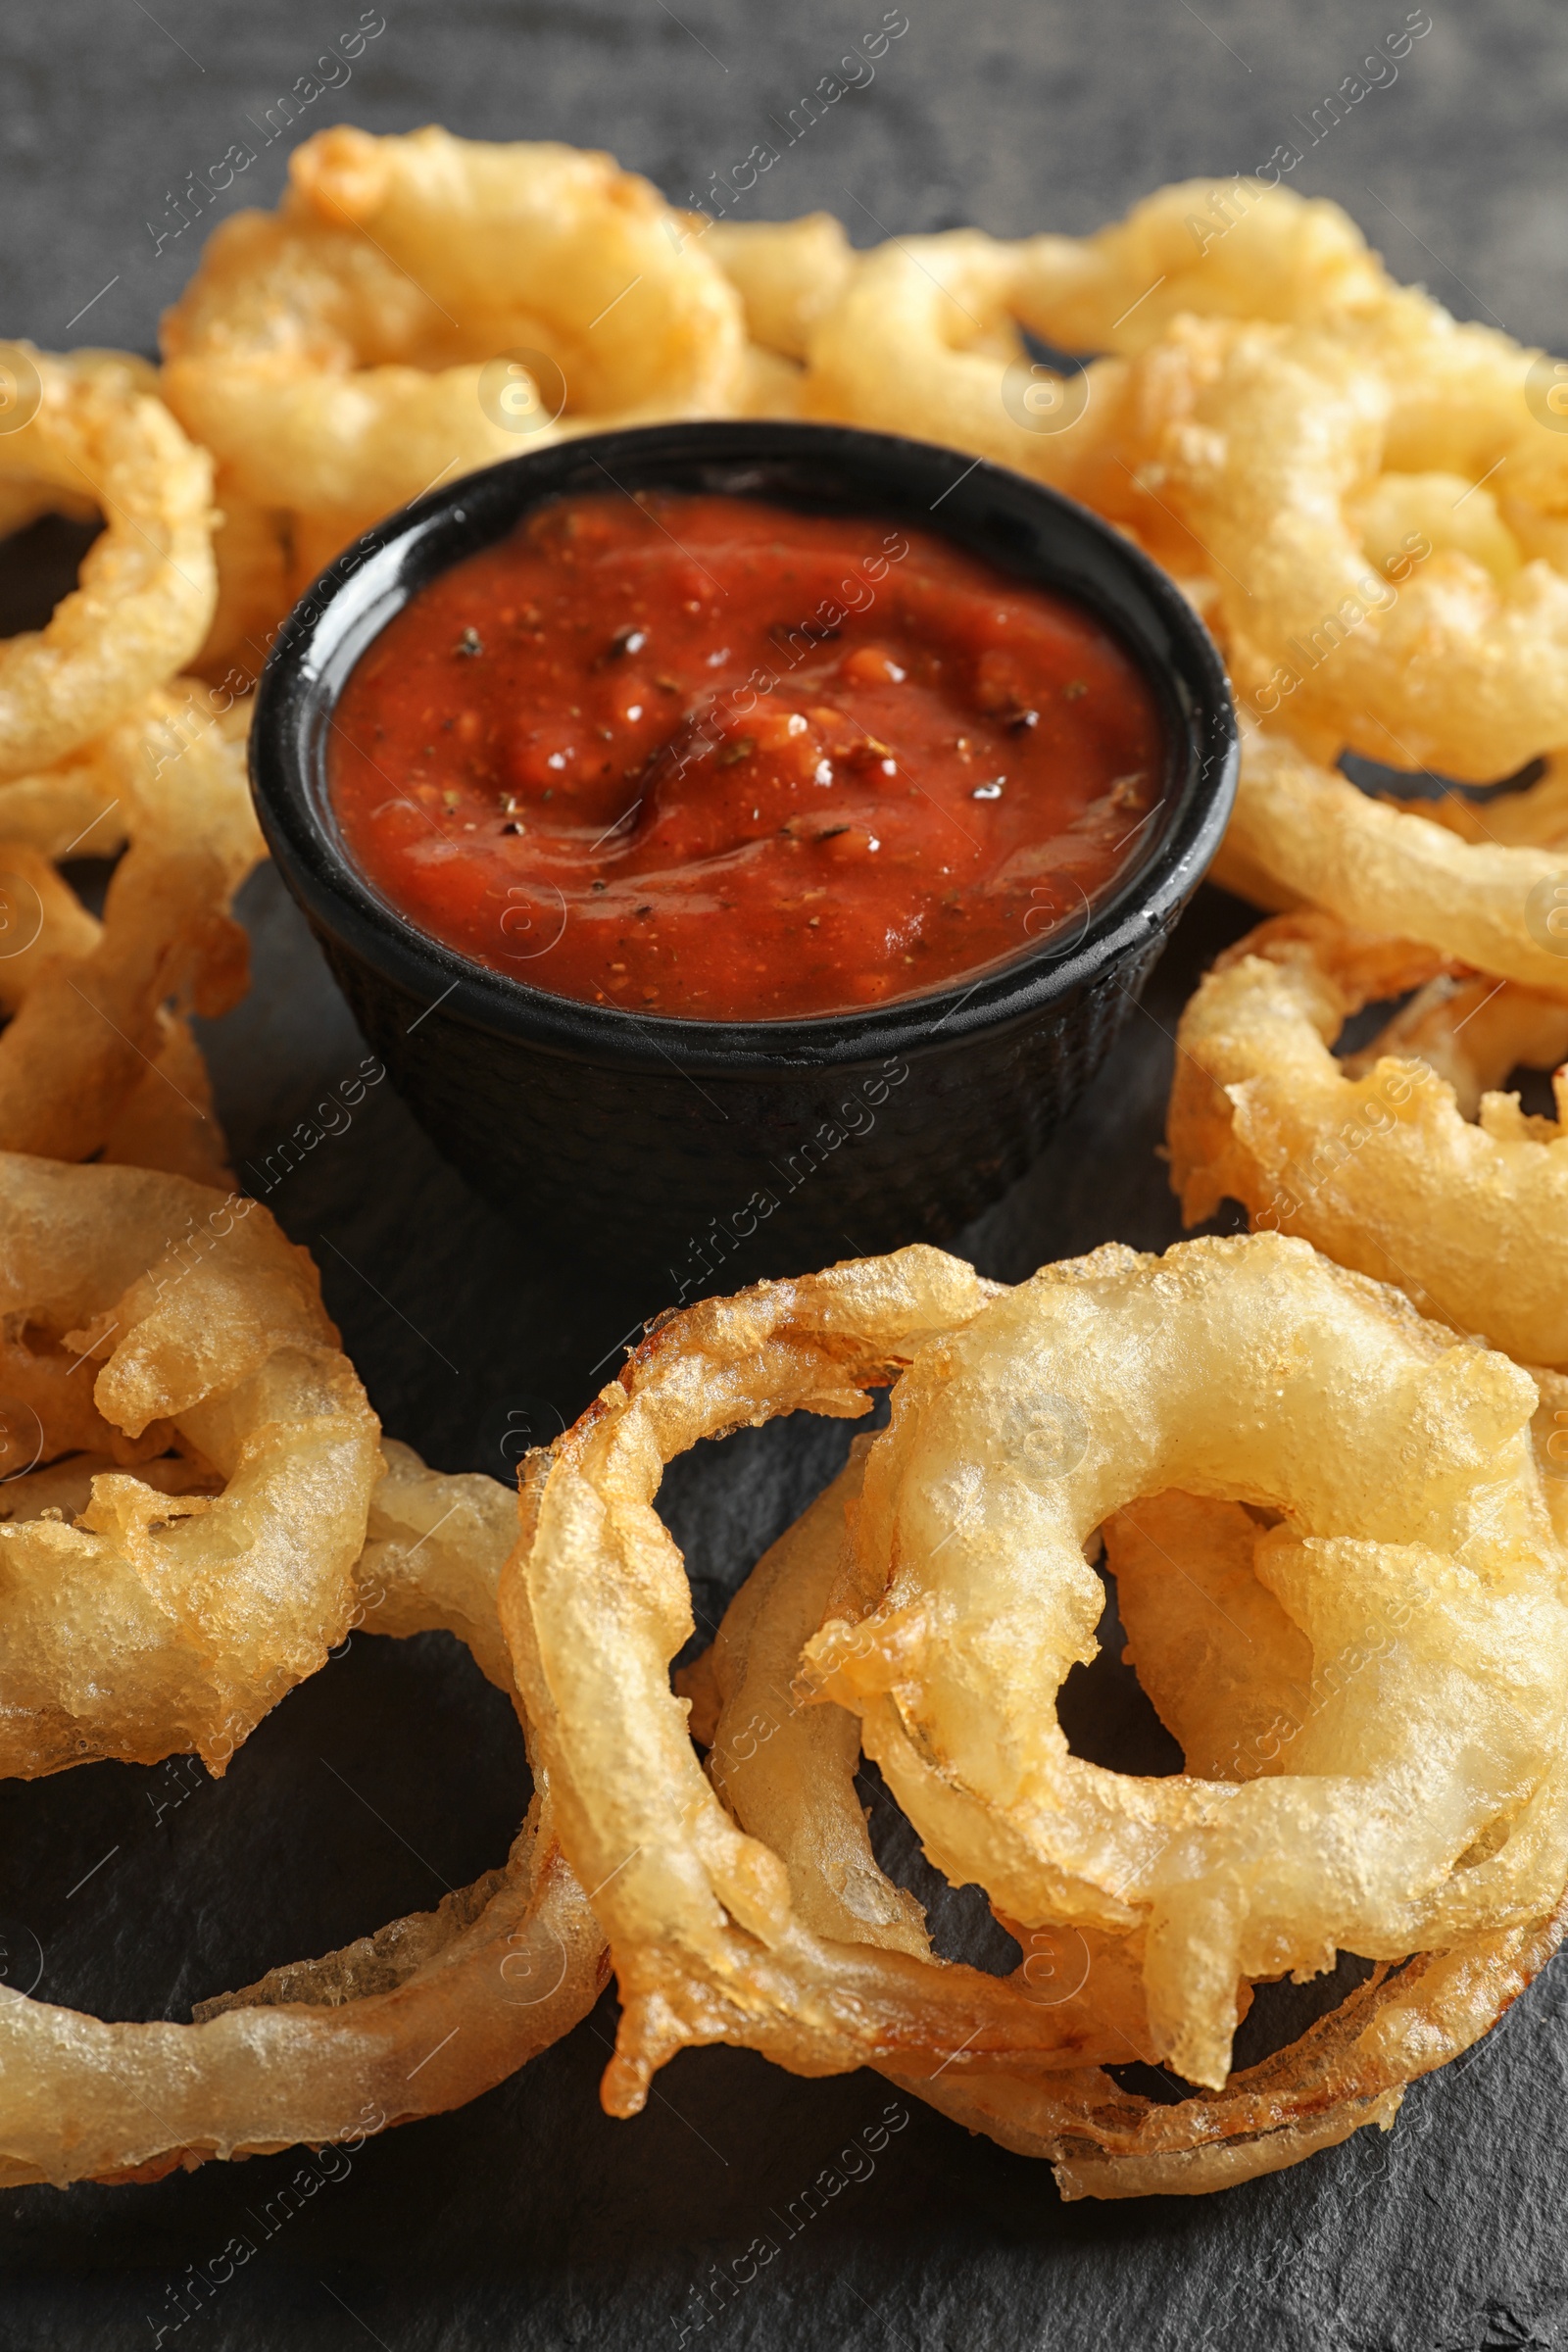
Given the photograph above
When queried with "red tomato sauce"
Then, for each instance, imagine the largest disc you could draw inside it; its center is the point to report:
(715, 758)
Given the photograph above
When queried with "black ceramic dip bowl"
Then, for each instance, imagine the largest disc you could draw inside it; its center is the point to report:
(665, 1144)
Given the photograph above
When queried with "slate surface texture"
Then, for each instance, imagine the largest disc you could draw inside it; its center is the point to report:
(529, 2219)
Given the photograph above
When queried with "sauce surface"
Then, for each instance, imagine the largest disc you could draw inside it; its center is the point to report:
(713, 759)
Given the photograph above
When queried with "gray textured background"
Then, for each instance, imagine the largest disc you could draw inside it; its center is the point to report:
(528, 2220)
(1012, 114)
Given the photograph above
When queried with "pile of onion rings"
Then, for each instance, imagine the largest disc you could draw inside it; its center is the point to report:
(104, 744)
(1366, 499)
(1391, 1612)
(229, 1513)
(98, 1059)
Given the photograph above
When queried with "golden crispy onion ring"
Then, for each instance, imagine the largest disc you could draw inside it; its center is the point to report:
(1303, 833)
(701, 1918)
(261, 572)
(786, 1771)
(1305, 445)
(1231, 249)
(1370, 590)
(344, 354)
(923, 337)
(788, 274)
(706, 1941)
(1351, 2070)
(81, 806)
(96, 1056)
(75, 808)
(80, 1083)
(97, 437)
(146, 1629)
(1376, 1160)
(413, 2020)
(1178, 1560)
(785, 1768)
(924, 340)
(1096, 1383)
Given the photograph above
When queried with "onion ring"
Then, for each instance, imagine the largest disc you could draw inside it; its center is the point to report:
(923, 341)
(1230, 249)
(144, 1631)
(788, 274)
(1338, 1379)
(1303, 834)
(785, 1768)
(147, 584)
(787, 1776)
(419, 2018)
(1351, 2070)
(1375, 1159)
(593, 1604)
(922, 337)
(700, 1917)
(334, 356)
(92, 1058)
(1366, 586)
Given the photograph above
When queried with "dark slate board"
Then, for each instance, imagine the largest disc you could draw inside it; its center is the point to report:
(528, 2220)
